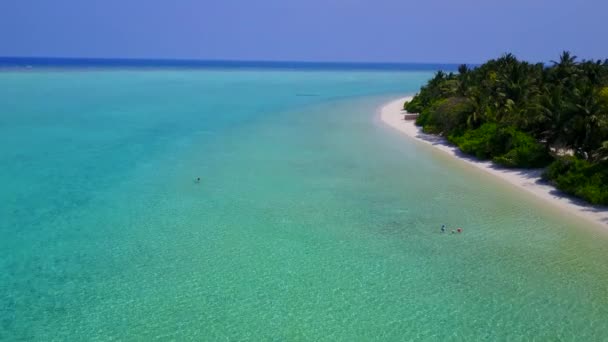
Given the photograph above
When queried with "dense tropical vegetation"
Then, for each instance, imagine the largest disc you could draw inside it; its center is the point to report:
(527, 115)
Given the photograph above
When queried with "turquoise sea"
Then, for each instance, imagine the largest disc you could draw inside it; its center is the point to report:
(311, 222)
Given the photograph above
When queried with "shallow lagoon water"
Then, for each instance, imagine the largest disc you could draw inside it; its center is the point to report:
(311, 221)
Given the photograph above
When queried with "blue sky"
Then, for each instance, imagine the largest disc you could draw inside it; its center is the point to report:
(312, 30)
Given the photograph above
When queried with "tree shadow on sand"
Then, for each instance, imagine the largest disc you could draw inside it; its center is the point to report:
(534, 175)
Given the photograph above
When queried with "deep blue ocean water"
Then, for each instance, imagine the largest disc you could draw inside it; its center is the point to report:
(121, 63)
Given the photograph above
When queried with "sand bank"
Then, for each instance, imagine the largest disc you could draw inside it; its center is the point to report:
(528, 180)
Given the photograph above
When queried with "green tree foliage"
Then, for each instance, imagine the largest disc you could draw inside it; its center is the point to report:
(445, 115)
(580, 178)
(505, 145)
(515, 113)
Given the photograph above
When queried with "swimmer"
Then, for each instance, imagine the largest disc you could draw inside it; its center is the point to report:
(197, 180)
(443, 228)
(459, 230)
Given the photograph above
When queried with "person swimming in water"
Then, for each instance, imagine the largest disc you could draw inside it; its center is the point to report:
(197, 180)
(443, 228)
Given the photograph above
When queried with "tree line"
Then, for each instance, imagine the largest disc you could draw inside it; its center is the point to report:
(525, 115)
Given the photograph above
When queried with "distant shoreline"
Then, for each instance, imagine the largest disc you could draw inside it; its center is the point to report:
(528, 180)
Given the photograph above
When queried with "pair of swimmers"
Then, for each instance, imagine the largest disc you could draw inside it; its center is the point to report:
(459, 230)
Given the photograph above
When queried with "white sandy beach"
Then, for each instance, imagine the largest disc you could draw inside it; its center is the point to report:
(528, 180)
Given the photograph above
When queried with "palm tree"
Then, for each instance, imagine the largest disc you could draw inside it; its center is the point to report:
(463, 80)
(586, 127)
(566, 68)
(479, 114)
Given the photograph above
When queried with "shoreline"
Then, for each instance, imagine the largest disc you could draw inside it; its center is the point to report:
(528, 180)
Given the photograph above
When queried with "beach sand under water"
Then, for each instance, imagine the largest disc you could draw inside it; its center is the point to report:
(310, 221)
(529, 180)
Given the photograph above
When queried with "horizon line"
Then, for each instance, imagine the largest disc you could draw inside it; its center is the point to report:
(235, 61)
